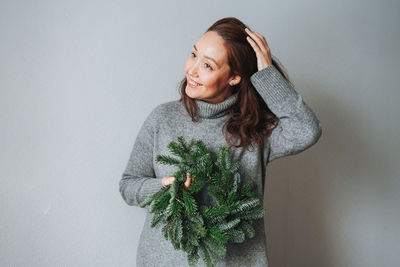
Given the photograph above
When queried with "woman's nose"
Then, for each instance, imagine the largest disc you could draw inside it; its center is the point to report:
(193, 69)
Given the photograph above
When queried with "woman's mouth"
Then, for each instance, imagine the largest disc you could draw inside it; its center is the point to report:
(192, 83)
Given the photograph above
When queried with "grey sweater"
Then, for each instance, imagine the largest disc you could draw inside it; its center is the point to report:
(298, 129)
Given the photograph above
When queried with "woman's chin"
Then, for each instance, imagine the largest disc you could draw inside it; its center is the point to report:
(191, 92)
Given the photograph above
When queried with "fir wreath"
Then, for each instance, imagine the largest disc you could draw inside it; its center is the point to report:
(204, 229)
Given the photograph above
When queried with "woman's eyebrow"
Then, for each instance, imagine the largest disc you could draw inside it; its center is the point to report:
(210, 58)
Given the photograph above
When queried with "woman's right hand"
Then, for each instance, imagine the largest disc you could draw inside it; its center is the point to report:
(170, 179)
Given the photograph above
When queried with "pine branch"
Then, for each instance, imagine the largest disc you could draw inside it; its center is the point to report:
(205, 229)
(193, 258)
(246, 205)
(213, 245)
(207, 256)
(229, 225)
(167, 160)
(236, 236)
(247, 229)
(190, 203)
(150, 198)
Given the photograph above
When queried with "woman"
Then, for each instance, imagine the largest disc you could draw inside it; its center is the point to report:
(234, 94)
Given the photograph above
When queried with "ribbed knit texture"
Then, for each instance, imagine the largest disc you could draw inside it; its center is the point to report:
(212, 111)
(297, 130)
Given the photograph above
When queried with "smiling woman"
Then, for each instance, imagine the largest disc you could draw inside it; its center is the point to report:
(233, 92)
(207, 70)
(223, 60)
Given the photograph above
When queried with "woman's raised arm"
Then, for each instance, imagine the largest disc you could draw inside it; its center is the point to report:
(298, 126)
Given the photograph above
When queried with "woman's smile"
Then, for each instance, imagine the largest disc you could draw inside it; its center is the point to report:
(192, 83)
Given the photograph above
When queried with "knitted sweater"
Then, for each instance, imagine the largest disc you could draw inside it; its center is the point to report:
(297, 130)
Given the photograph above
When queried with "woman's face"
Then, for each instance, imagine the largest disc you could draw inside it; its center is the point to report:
(207, 70)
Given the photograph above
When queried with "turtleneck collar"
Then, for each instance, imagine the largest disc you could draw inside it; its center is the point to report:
(212, 111)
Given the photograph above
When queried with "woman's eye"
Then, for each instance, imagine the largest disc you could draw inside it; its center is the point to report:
(208, 66)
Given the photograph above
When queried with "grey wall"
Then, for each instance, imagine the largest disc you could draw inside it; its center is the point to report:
(77, 79)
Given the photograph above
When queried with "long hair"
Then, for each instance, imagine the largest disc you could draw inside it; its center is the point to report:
(250, 118)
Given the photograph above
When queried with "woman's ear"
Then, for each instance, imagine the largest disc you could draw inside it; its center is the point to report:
(235, 80)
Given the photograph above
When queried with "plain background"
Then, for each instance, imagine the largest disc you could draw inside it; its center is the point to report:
(78, 78)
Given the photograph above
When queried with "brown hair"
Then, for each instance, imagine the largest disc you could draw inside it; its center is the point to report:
(250, 117)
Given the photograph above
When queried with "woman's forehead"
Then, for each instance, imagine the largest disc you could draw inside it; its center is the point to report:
(212, 45)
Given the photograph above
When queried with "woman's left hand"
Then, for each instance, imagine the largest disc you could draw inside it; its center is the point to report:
(189, 181)
(260, 46)
(170, 179)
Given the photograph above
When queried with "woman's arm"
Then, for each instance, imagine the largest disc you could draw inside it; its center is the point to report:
(138, 180)
(298, 128)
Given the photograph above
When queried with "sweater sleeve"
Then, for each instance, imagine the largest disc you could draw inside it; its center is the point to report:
(298, 126)
(138, 179)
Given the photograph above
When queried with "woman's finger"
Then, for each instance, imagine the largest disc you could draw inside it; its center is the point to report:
(256, 38)
(187, 182)
(262, 38)
(254, 45)
(168, 180)
(259, 39)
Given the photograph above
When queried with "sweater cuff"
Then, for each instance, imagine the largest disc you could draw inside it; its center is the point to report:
(272, 86)
(151, 186)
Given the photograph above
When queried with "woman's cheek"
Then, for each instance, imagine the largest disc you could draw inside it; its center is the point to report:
(209, 80)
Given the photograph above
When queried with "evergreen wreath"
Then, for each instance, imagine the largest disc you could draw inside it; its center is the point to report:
(204, 229)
